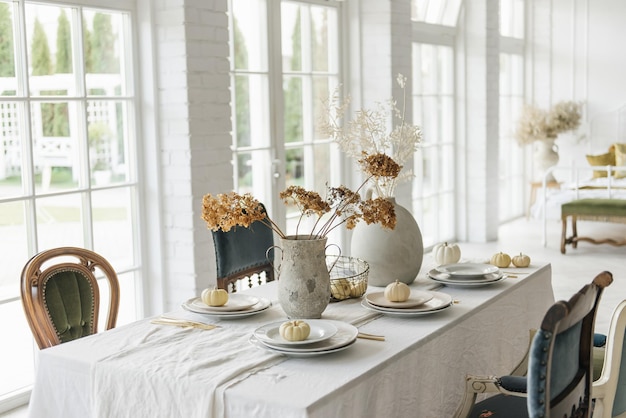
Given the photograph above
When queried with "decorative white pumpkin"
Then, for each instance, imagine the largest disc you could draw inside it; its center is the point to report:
(521, 260)
(501, 260)
(445, 253)
(397, 291)
(214, 297)
(297, 330)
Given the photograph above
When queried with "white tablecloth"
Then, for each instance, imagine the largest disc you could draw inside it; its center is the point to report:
(162, 371)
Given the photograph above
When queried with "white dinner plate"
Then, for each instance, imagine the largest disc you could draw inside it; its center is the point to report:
(320, 330)
(483, 281)
(236, 302)
(417, 297)
(345, 335)
(467, 270)
(262, 305)
(438, 303)
(301, 354)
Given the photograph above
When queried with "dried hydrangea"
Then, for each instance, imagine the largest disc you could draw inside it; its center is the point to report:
(368, 134)
(536, 124)
(340, 206)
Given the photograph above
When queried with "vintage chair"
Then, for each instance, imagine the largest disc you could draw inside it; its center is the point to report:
(558, 380)
(61, 296)
(609, 391)
(240, 256)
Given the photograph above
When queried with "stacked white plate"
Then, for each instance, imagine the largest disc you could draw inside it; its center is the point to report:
(467, 274)
(238, 306)
(419, 303)
(326, 336)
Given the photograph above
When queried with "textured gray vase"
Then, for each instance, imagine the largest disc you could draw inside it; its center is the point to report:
(391, 254)
(303, 278)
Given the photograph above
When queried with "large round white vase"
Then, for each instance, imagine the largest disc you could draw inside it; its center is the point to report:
(546, 155)
(391, 254)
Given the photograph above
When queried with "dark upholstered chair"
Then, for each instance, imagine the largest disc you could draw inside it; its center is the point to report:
(240, 256)
(609, 391)
(558, 381)
(61, 296)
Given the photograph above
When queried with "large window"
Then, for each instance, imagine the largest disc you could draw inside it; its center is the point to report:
(281, 75)
(433, 109)
(67, 154)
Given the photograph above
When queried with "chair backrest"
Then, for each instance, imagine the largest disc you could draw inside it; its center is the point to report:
(61, 296)
(240, 255)
(560, 363)
(610, 388)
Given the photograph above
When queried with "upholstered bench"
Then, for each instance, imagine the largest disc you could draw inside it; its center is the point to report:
(600, 210)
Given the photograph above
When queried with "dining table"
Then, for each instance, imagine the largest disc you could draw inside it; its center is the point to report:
(148, 369)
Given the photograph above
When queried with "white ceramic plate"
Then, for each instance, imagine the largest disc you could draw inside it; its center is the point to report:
(438, 303)
(467, 270)
(302, 354)
(418, 297)
(262, 305)
(483, 281)
(320, 330)
(345, 335)
(236, 302)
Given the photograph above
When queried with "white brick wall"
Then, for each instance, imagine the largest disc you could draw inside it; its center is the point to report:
(194, 123)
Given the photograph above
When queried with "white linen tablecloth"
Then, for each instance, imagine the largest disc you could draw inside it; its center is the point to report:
(146, 370)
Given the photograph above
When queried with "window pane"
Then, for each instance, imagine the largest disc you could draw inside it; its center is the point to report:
(8, 80)
(16, 361)
(293, 109)
(13, 246)
(11, 148)
(323, 34)
(249, 35)
(113, 228)
(103, 40)
(59, 221)
(251, 110)
(253, 173)
(292, 36)
(50, 56)
(108, 141)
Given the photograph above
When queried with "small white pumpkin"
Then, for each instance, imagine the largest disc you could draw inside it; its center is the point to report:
(445, 253)
(297, 330)
(501, 260)
(214, 297)
(521, 260)
(397, 292)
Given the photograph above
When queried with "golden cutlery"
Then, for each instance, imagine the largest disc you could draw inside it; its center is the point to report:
(367, 336)
(183, 323)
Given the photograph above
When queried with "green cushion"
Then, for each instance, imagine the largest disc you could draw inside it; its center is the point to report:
(69, 301)
(594, 207)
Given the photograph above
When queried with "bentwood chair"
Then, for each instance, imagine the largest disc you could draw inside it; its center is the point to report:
(558, 380)
(609, 391)
(240, 256)
(61, 295)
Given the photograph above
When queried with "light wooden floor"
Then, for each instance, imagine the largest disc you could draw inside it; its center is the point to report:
(570, 271)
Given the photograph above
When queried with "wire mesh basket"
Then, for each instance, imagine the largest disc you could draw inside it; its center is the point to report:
(348, 277)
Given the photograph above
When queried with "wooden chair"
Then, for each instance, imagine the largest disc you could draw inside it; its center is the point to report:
(240, 256)
(61, 296)
(609, 391)
(558, 380)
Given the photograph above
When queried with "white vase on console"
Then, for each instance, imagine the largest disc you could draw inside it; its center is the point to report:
(545, 156)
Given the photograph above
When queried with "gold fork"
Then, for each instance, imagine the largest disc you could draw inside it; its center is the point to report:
(184, 323)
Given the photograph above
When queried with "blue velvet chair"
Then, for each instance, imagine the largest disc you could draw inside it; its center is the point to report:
(609, 391)
(61, 296)
(240, 256)
(558, 380)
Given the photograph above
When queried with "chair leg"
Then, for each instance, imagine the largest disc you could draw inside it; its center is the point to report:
(563, 234)
(574, 233)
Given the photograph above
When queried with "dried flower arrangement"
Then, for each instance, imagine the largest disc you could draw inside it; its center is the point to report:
(537, 124)
(367, 134)
(341, 205)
